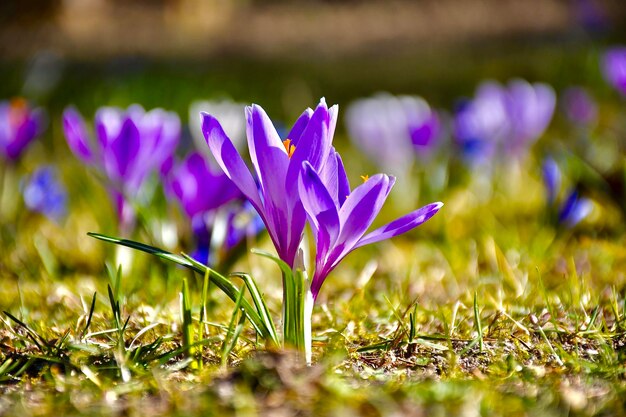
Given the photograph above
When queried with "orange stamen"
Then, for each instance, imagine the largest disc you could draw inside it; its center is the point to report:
(18, 108)
(289, 147)
(365, 177)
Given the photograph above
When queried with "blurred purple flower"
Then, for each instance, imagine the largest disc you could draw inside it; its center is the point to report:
(551, 179)
(481, 123)
(202, 192)
(199, 188)
(340, 220)
(19, 125)
(531, 107)
(130, 145)
(277, 164)
(43, 193)
(574, 209)
(580, 108)
(614, 67)
(391, 129)
(501, 121)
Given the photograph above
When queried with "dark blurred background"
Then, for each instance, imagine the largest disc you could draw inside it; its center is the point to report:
(286, 54)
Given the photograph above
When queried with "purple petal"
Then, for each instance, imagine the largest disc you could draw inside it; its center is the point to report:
(299, 126)
(551, 178)
(531, 108)
(343, 188)
(401, 225)
(119, 156)
(77, 135)
(108, 123)
(270, 159)
(314, 143)
(358, 212)
(575, 209)
(321, 209)
(230, 161)
(614, 68)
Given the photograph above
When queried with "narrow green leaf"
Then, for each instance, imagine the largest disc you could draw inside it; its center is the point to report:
(219, 280)
(91, 310)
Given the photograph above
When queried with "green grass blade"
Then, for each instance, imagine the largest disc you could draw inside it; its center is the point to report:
(259, 302)
(219, 280)
(90, 316)
(228, 346)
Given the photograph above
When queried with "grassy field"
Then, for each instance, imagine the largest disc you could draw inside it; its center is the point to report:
(488, 309)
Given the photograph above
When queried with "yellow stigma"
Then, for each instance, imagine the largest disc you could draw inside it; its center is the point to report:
(289, 147)
(365, 177)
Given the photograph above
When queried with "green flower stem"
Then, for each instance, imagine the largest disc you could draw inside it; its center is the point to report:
(297, 310)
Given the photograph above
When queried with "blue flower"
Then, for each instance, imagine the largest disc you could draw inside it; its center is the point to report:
(43, 193)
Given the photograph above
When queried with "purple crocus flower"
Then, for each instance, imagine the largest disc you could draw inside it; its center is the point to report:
(19, 125)
(579, 107)
(199, 188)
(531, 107)
(201, 192)
(340, 219)
(43, 193)
(503, 120)
(482, 123)
(277, 165)
(129, 146)
(614, 67)
(574, 209)
(391, 129)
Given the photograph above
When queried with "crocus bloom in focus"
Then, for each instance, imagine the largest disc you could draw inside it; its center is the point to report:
(277, 164)
(614, 67)
(340, 219)
(580, 108)
(129, 146)
(19, 125)
(43, 193)
(391, 129)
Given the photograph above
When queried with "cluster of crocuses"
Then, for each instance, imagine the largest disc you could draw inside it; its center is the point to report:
(20, 124)
(133, 145)
(498, 122)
